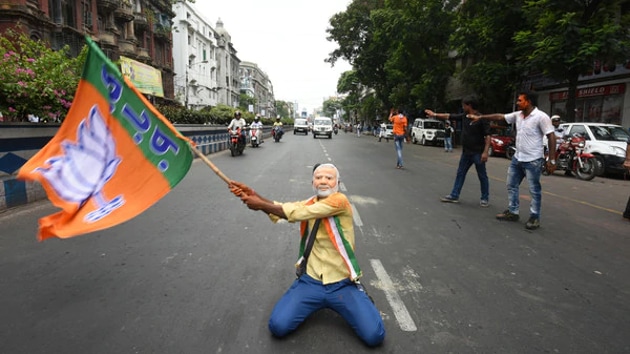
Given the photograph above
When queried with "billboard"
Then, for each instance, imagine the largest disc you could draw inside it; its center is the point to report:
(146, 78)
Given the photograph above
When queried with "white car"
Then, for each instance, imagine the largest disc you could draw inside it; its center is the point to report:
(606, 141)
(427, 131)
(323, 126)
(389, 131)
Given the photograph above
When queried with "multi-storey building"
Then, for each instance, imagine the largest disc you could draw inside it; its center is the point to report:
(136, 29)
(195, 52)
(204, 60)
(189, 60)
(228, 68)
(255, 83)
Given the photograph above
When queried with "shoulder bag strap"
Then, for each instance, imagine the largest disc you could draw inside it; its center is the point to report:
(301, 264)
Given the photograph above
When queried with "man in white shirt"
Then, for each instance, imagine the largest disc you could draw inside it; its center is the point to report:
(238, 122)
(257, 124)
(532, 125)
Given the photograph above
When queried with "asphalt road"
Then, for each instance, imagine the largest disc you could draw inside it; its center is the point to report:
(199, 272)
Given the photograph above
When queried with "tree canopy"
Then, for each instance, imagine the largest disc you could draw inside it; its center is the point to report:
(408, 53)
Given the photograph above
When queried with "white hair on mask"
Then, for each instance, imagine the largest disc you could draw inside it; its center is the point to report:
(329, 165)
(326, 192)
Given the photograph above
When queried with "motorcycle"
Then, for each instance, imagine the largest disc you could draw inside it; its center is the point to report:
(276, 133)
(570, 157)
(235, 141)
(510, 150)
(335, 130)
(255, 136)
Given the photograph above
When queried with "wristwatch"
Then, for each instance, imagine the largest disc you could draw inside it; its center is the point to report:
(553, 162)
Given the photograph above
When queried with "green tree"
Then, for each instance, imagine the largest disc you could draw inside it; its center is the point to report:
(331, 107)
(417, 32)
(282, 109)
(565, 38)
(349, 85)
(484, 40)
(397, 48)
(245, 100)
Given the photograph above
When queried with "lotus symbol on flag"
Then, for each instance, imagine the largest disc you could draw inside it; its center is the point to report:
(87, 165)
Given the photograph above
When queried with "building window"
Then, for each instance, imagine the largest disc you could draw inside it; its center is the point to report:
(68, 13)
(87, 13)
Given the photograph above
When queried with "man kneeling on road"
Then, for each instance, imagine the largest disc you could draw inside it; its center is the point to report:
(329, 278)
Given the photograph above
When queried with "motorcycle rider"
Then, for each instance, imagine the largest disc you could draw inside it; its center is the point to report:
(559, 133)
(238, 122)
(278, 124)
(257, 124)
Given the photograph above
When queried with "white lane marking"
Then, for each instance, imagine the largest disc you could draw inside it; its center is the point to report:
(400, 310)
(325, 151)
(342, 187)
(355, 216)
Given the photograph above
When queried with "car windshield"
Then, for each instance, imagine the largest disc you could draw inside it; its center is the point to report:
(433, 125)
(609, 133)
(322, 122)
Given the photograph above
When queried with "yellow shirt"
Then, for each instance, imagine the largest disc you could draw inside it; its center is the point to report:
(325, 263)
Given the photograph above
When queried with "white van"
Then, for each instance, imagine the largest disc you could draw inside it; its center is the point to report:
(300, 126)
(322, 126)
(427, 131)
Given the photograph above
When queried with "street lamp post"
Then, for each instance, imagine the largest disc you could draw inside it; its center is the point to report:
(188, 66)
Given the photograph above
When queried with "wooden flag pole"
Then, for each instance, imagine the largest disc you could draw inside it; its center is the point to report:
(210, 164)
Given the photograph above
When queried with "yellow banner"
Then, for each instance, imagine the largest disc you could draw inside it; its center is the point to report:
(146, 78)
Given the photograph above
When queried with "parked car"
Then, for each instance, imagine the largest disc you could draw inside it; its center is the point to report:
(300, 126)
(501, 138)
(322, 126)
(389, 131)
(606, 141)
(427, 131)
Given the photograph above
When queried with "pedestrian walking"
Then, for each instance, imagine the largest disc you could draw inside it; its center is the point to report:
(328, 272)
(400, 133)
(475, 145)
(532, 125)
(383, 132)
(448, 137)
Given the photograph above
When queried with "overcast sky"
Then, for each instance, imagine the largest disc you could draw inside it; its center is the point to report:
(287, 40)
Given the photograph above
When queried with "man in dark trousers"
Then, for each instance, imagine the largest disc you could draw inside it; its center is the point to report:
(475, 144)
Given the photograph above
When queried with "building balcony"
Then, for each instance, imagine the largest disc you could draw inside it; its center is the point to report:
(107, 38)
(127, 47)
(140, 21)
(162, 32)
(124, 13)
(108, 5)
(143, 54)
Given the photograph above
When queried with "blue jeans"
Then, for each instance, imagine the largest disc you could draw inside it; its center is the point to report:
(516, 172)
(448, 144)
(465, 161)
(398, 144)
(308, 295)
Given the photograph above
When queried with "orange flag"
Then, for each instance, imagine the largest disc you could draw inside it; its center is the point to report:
(113, 157)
